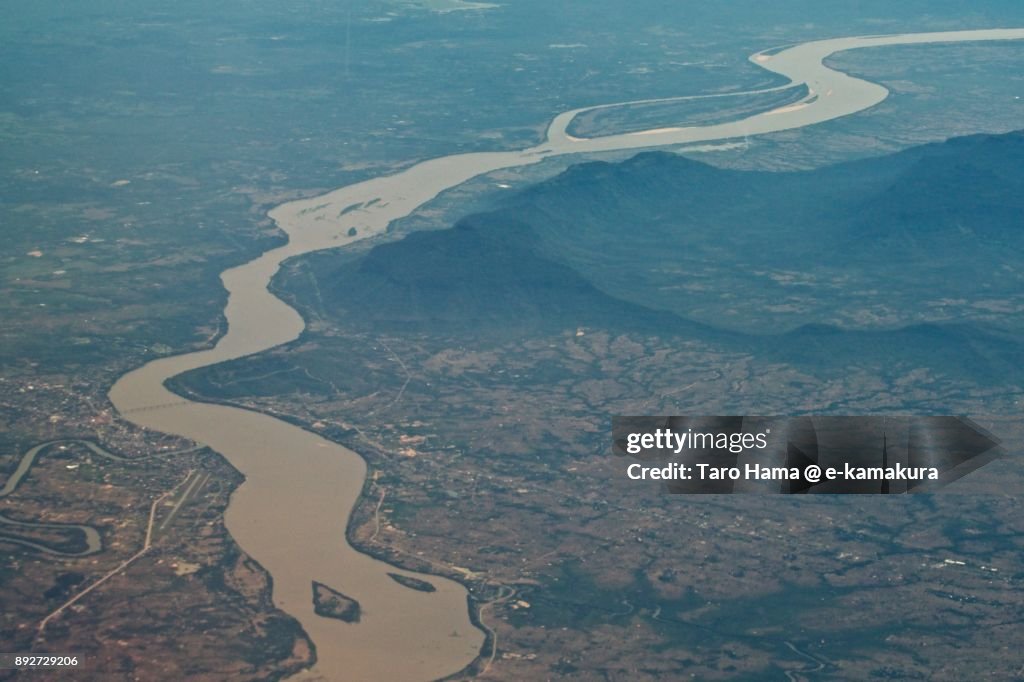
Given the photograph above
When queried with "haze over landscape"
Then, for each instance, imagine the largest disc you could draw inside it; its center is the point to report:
(316, 317)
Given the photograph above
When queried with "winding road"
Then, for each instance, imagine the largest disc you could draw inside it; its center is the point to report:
(91, 536)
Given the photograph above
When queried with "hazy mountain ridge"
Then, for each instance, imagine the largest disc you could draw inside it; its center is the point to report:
(963, 351)
(615, 246)
(483, 274)
(967, 192)
(923, 191)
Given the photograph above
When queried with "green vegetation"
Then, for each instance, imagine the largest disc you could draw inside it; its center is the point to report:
(330, 603)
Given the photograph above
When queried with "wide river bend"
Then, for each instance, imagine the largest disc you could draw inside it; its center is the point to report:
(291, 512)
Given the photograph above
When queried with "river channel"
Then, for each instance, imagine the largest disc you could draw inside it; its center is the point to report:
(291, 512)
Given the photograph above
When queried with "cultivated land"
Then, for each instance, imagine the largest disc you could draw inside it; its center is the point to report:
(488, 464)
(100, 275)
(171, 576)
(487, 436)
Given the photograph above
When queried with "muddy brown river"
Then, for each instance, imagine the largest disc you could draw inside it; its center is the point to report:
(291, 512)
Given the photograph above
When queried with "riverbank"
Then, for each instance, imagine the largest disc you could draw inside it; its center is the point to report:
(292, 512)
